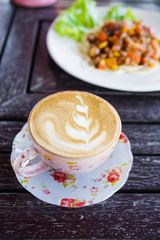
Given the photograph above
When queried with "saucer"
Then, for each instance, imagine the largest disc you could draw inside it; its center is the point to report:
(66, 190)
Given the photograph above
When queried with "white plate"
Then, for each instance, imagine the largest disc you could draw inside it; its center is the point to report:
(65, 53)
(85, 189)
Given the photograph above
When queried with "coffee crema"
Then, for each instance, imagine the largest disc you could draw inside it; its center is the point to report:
(74, 124)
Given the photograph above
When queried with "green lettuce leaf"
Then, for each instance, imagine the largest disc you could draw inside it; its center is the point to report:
(76, 20)
(129, 16)
(114, 13)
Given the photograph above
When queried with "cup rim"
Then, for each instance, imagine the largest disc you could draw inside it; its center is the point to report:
(72, 157)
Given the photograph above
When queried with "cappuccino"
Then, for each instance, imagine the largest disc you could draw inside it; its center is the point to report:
(74, 124)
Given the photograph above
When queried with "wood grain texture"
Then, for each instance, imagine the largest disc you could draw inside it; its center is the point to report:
(140, 108)
(15, 65)
(8, 180)
(135, 3)
(6, 12)
(144, 138)
(8, 131)
(129, 216)
(143, 176)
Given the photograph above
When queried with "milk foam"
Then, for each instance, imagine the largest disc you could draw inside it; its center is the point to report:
(73, 124)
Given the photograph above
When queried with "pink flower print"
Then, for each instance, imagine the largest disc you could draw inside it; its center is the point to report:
(74, 168)
(103, 175)
(84, 186)
(20, 164)
(33, 187)
(79, 204)
(59, 176)
(126, 140)
(113, 176)
(117, 169)
(94, 189)
(70, 202)
(123, 137)
(46, 191)
(24, 155)
(91, 166)
(27, 177)
(66, 202)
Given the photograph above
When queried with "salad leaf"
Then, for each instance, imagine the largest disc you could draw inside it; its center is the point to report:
(114, 13)
(81, 16)
(76, 20)
(129, 16)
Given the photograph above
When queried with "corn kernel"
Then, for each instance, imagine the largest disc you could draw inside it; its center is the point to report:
(115, 67)
(152, 65)
(124, 29)
(156, 41)
(110, 62)
(103, 45)
(116, 54)
(132, 31)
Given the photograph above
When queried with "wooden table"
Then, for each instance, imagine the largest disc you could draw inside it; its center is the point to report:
(27, 74)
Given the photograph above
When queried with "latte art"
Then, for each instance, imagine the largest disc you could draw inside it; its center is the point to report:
(74, 124)
(85, 132)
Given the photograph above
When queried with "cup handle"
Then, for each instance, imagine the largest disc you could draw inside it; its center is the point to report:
(21, 162)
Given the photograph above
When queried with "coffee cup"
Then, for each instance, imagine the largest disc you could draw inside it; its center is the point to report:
(71, 131)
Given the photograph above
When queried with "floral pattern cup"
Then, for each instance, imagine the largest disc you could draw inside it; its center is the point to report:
(66, 190)
(50, 160)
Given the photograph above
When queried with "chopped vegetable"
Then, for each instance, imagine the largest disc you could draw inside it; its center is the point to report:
(126, 43)
(76, 20)
(103, 45)
(102, 64)
(102, 36)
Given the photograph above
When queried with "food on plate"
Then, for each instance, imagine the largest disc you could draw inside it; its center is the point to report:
(116, 39)
(77, 20)
(119, 42)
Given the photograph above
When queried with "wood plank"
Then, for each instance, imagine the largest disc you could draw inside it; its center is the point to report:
(129, 216)
(15, 65)
(6, 12)
(8, 131)
(135, 3)
(142, 108)
(143, 176)
(8, 180)
(144, 138)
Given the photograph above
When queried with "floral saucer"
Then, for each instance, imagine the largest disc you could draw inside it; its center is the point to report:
(66, 190)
